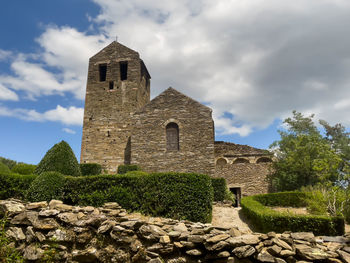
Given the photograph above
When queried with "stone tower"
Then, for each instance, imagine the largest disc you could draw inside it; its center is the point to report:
(118, 84)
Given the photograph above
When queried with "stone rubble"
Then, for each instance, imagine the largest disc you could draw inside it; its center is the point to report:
(110, 234)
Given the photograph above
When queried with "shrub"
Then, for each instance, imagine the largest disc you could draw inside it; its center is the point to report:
(123, 169)
(46, 186)
(90, 168)
(266, 219)
(9, 163)
(219, 186)
(175, 195)
(4, 169)
(60, 158)
(24, 168)
(15, 185)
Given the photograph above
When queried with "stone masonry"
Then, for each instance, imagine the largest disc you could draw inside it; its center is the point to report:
(196, 136)
(109, 104)
(61, 233)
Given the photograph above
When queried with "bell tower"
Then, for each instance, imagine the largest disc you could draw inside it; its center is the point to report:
(118, 84)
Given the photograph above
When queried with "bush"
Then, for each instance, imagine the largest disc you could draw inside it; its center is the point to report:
(266, 219)
(175, 195)
(4, 169)
(60, 158)
(24, 168)
(123, 169)
(8, 162)
(46, 186)
(220, 187)
(90, 168)
(15, 185)
(293, 199)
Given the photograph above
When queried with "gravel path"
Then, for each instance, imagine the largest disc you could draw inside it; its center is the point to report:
(230, 217)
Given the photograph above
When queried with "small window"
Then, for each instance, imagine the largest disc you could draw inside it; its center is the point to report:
(103, 71)
(111, 85)
(172, 137)
(221, 161)
(264, 160)
(241, 160)
(123, 70)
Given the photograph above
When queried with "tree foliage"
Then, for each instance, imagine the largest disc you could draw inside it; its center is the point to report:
(303, 156)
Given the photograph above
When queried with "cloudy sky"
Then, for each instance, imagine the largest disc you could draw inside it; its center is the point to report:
(251, 61)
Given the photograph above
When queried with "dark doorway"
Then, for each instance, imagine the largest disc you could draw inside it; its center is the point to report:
(237, 192)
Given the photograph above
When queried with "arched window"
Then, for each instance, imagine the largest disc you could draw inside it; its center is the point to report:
(241, 160)
(172, 137)
(264, 160)
(221, 161)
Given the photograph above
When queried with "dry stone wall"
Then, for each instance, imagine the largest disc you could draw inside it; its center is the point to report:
(108, 234)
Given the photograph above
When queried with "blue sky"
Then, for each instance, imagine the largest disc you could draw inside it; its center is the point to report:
(252, 62)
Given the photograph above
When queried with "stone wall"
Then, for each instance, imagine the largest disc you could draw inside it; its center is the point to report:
(64, 233)
(196, 135)
(108, 109)
(250, 177)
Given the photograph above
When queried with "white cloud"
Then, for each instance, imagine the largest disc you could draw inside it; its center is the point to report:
(252, 61)
(4, 54)
(69, 116)
(7, 94)
(70, 131)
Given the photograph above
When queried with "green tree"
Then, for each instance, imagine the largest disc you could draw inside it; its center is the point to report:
(303, 156)
(60, 158)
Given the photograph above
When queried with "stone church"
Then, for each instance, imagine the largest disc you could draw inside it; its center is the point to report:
(171, 132)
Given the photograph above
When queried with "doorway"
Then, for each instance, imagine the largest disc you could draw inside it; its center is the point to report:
(237, 193)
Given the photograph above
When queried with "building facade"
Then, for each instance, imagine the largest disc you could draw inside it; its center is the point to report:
(171, 132)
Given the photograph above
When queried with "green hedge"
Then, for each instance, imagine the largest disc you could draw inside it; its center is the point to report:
(266, 219)
(174, 195)
(4, 169)
(293, 199)
(24, 168)
(123, 169)
(220, 188)
(15, 185)
(90, 168)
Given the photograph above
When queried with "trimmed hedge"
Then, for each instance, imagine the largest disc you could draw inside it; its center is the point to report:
(46, 186)
(4, 169)
(8, 162)
(174, 195)
(292, 199)
(15, 185)
(90, 168)
(220, 188)
(60, 158)
(23, 168)
(123, 169)
(266, 219)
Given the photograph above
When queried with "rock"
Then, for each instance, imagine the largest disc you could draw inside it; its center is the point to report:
(307, 236)
(196, 238)
(344, 256)
(36, 205)
(155, 260)
(282, 244)
(274, 250)
(180, 227)
(15, 233)
(287, 253)
(32, 252)
(174, 234)
(234, 232)
(265, 256)
(10, 207)
(271, 235)
(280, 260)
(188, 244)
(310, 253)
(45, 224)
(62, 235)
(68, 217)
(106, 226)
(40, 236)
(164, 239)
(86, 255)
(133, 224)
(247, 239)
(332, 246)
(217, 238)
(346, 249)
(48, 212)
(244, 251)
(336, 239)
(194, 252)
(177, 260)
(111, 205)
(30, 234)
(197, 231)
(334, 260)
(223, 254)
(151, 232)
(21, 219)
(216, 246)
(178, 245)
(84, 238)
(53, 203)
(58, 205)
